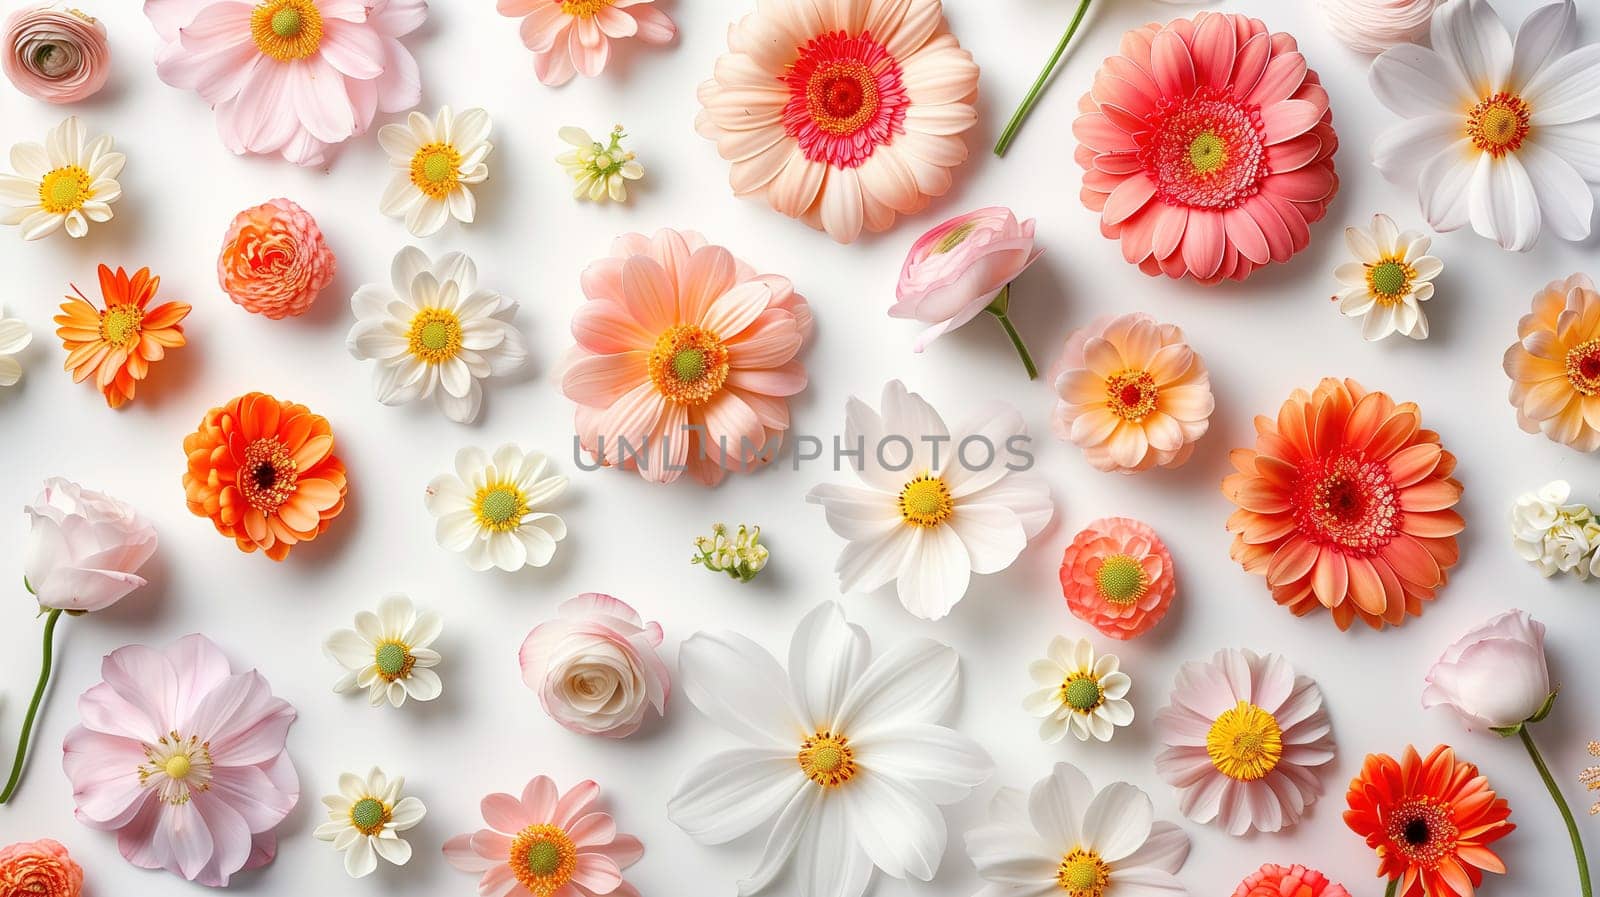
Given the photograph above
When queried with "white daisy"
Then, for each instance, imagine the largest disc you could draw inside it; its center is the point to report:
(1082, 694)
(69, 180)
(846, 757)
(388, 653)
(365, 821)
(599, 169)
(1390, 278)
(956, 507)
(487, 508)
(434, 162)
(1500, 133)
(14, 337)
(434, 333)
(1066, 838)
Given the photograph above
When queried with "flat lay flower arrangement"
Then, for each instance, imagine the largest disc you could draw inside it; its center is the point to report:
(481, 447)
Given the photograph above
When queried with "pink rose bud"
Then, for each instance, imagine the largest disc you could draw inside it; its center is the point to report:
(957, 269)
(56, 55)
(84, 548)
(595, 666)
(1495, 676)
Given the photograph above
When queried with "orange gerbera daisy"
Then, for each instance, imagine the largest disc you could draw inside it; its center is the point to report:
(1431, 821)
(117, 344)
(1345, 503)
(264, 471)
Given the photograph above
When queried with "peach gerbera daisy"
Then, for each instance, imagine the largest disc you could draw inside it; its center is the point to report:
(1345, 503)
(1133, 394)
(1555, 364)
(1117, 576)
(118, 343)
(264, 471)
(572, 37)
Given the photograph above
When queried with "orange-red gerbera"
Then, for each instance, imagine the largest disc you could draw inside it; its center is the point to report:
(1431, 821)
(1345, 503)
(264, 471)
(117, 344)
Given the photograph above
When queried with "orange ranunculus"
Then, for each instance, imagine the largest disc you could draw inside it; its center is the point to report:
(118, 344)
(264, 471)
(39, 869)
(274, 261)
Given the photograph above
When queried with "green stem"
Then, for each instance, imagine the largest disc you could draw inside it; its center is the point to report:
(1566, 811)
(998, 308)
(1010, 133)
(1393, 888)
(33, 706)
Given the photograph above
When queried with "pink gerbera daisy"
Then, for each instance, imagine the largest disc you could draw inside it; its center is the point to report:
(291, 77)
(569, 37)
(841, 114)
(1207, 147)
(1117, 576)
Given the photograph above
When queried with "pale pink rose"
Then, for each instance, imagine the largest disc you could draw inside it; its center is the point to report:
(84, 548)
(1372, 26)
(595, 666)
(1495, 676)
(56, 55)
(573, 37)
(955, 270)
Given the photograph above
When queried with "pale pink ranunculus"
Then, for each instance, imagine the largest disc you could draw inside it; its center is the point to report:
(1495, 676)
(84, 548)
(56, 55)
(955, 270)
(595, 666)
(573, 37)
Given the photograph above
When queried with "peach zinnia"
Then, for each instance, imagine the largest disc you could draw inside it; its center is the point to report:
(1345, 503)
(1117, 576)
(118, 343)
(1554, 365)
(264, 471)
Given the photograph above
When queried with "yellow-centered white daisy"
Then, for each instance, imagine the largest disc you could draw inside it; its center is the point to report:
(1389, 280)
(435, 161)
(365, 820)
(599, 170)
(487, 508)
(389, 654)
(67, 181)
(14, 337)
(1079, 692)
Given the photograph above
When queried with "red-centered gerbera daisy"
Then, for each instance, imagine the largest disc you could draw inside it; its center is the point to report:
(1207, 147)
(1345, 503)
(1431, 821)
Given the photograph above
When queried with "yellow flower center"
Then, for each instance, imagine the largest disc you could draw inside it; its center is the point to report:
(287, 30)
(393, 660)
(954, 238)
(500, 507)
(584, 9)
(688, 365)
(178, 766)
(1131, 395)
(1121, 580)
(434, 336)
(119, 325)
(369, 815)
(1583, 367)
(435, 169)
(1499, 124)
(1207, 152)
(65, 190)
(268, 475)
(543, 858)
(926, 501)
(1083, 874)
(1082, 692)
(827, 759)
(1390, 280)
(1245, 743)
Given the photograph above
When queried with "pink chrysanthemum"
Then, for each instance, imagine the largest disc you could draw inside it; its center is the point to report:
(1207, 147)
(1273, 880)
(1117, 576)
(572, 37)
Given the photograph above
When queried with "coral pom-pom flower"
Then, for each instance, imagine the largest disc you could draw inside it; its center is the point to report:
(1273, 880)
(274, 260)
(1207, 146)
(1346, 503)
(571, 37)
(117, 344)
(1117, 576)
(1431, 822)
(1554, 365)
(264, 471)
(841, 114)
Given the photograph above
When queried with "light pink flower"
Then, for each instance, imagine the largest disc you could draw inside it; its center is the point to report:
(1495, 676)
(955, 270)
(1372, 26)
(570, 37)
(56, 55)
(686, 358)
(84, 548)
(547, 844)
(595, 666)
(291, 77)
(184, 759)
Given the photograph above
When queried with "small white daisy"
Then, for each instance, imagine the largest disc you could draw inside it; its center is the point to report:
(487, 508)
(599, 169)
(14, 337)
(434, 162)
(1082, 694)
(365, 821)
(68, 180)
(388, 653)
(1391, 277)
(434, 333)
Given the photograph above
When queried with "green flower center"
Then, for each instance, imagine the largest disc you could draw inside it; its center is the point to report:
(1121, 580)
(435, 335)
(544, 857)
(286, 22)
(689, 365)
(1083, 694)
(367, 813)
(1388, 278)
(391, 659)
(498, 505)
(437, 167)
(1207, 152)
(953, 239)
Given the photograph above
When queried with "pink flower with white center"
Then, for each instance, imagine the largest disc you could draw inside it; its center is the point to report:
(184, 759)
(291, 77)
(572, 37)
(841, 114)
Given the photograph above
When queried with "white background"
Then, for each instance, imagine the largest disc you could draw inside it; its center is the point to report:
(631, 539)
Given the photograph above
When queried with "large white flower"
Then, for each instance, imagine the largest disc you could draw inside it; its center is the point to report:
(70, 180)
(365, 820)
(846, 758)
(389, 654)
(435, 162)
(1066, 838)
(1389, 280)
(1553, 535)
(433, 332)
(1079, 692)
(486, 509)
(14, 337)
(954, 508)
(1499, 132)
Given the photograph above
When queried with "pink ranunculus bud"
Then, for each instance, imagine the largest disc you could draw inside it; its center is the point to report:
(274, 260)
(56, 55)
(595, 666)
(84, 548)
(955, 270)
(1495, 676)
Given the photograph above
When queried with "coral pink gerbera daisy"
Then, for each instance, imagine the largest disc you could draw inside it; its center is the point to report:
(1273, 880)
(1346, 503)
(1207, 146)
(685, 359)
(842, 114)
(571, 37)
(1117, 576)
(1554, 365)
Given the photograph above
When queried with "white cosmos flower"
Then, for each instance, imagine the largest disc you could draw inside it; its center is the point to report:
(365, 820)
(70, 180)
(1389, 280)
(487, 508)
(1066, 838)
(435, 161)
(1499, 133)
(388, 654)
(1081, 693)
(434, 333)
(599, 170)
(1553, 535)
(953, 509)
(14, 337)
(846, 758)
